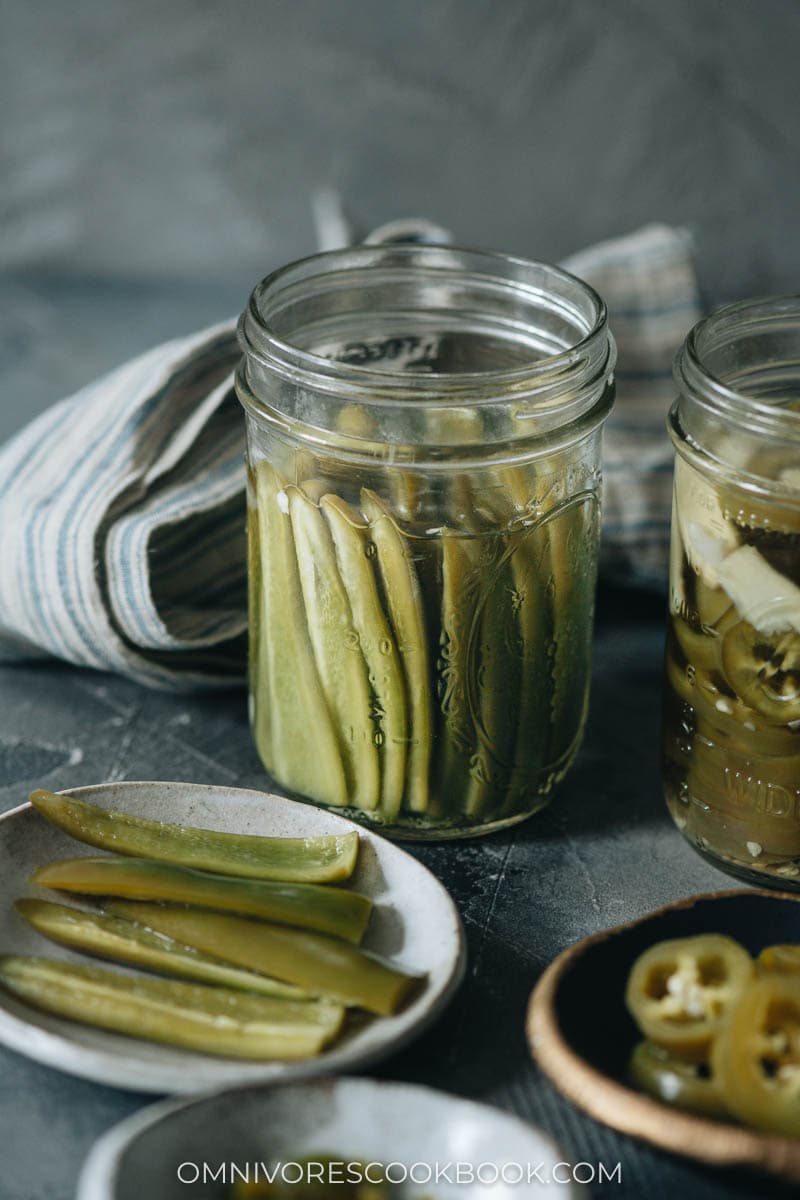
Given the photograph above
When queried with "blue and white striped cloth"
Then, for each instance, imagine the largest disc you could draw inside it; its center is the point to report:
(648, 282)
(122, 508)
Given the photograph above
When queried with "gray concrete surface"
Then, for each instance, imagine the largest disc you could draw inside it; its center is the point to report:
(604, 852)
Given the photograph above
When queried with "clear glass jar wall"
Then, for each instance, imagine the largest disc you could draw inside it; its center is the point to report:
(731, 747)
(423, 445)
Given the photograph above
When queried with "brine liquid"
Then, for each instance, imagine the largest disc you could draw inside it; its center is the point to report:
(420, 651)
(731, 739)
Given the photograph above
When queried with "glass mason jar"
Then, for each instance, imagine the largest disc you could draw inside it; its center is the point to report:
(424, 464)
(732, 711)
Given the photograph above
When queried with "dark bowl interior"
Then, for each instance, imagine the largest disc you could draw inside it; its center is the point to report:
(590, 1000)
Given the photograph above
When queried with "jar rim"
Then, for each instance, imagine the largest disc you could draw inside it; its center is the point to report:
(580, 365)
(695, 377)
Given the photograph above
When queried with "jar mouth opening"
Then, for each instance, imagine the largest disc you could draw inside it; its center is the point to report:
(743, 363)
(558, 317)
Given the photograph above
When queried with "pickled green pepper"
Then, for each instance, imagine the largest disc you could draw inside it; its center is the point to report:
(312, 961)
(130, 942)
(311, 905)
(213, 1020)
(300, 860)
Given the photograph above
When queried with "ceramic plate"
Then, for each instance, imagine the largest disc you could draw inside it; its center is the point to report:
(581, 1034)
(352, 1120)
(414, 923)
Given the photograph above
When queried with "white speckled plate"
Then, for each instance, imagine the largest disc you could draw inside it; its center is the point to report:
(403, 1128)
(414, 923)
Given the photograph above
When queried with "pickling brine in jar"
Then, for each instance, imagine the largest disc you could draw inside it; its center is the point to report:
(423, 452)
(732, 692)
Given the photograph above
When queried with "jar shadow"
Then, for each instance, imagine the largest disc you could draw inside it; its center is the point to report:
(615, 781)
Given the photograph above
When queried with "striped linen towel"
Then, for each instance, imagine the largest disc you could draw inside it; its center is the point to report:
(648, 281)
(122, 507)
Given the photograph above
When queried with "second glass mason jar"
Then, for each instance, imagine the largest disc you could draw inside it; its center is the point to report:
(424, 465)
(732, 701)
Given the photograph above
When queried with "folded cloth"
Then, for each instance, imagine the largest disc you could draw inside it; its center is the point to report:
(122, 521)
(648, 282)
(122, 508)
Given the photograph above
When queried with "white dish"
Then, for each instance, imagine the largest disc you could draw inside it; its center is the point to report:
(414, 923)
(361, 1121)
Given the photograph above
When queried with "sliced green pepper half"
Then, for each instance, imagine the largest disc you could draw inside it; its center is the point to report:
(337, 650)
(377, 644)
(332, 910)
(312, 961)
(300, 860)
(124, 941)
(404, 601)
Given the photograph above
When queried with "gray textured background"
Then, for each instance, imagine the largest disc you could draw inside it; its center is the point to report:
(157, 158)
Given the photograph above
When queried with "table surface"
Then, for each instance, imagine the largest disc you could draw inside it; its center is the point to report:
(604, 852)
(157, 163)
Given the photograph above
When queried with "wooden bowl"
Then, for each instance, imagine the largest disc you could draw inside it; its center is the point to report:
(580, 1033)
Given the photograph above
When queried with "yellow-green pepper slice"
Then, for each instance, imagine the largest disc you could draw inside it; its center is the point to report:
(712, 603)
(680, 990)
(299, 741)
(764, 671)
(702, 647)
(782, 960)
(756, 1056)
(734, 723)
(666, 1077)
